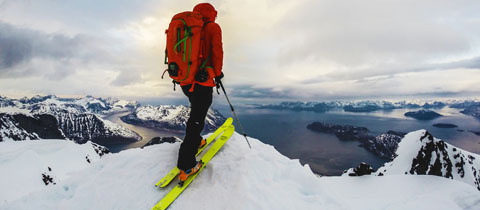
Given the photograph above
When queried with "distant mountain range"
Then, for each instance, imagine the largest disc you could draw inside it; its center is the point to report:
(52, 103)
(470, 107)
(77, 119)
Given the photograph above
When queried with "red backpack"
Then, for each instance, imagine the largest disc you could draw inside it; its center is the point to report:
(183, 49)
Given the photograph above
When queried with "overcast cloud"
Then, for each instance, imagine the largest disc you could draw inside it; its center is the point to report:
(277, 49)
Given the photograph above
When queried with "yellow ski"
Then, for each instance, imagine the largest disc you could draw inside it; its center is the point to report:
(165, 181)
(177, 190)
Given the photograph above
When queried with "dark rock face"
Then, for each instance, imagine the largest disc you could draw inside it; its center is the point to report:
(158, 140)
(100, 150)
(362, 169)
(423, 115)
(88, 127)
(433, 158)
(21, 127)
(47, 179)
(44, 125)
(444, 125)
(422, 163)
(383, 145)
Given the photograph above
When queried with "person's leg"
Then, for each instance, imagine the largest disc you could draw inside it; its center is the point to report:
(200, 101)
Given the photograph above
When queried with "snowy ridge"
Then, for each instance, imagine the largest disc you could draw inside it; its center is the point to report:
(170, 117)
(237, 177)
(420, 153)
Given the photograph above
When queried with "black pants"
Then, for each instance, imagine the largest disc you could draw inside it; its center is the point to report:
(200, 101)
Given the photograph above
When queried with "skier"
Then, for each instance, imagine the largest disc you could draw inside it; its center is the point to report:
(199, 92)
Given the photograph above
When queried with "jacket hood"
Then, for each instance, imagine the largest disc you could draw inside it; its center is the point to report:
(207, 10)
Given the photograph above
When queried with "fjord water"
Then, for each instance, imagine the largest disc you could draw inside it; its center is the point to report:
(146, 133)
(327, 155)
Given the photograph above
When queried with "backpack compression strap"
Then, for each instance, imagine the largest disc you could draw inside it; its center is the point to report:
(188, 35)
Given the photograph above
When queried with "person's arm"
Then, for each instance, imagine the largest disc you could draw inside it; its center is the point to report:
(217, 49)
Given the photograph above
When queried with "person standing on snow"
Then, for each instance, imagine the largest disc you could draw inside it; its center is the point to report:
(199, 92)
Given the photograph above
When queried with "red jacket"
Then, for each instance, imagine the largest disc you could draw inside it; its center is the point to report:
(212, 43)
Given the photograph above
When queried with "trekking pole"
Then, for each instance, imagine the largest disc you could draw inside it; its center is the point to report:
(233, 111)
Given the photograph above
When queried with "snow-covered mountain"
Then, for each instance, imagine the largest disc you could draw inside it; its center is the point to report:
(170, 117)
(88, 104)
(420, 153)
(77, 119)
(236, 178)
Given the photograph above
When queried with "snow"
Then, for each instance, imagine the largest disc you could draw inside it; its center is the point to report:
(22, 164)
(236, 178)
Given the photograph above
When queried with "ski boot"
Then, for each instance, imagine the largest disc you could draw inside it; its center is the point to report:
(202, 143)
(183, 176)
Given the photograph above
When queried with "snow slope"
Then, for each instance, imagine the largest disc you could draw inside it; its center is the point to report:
(23, 163)
(236, 178)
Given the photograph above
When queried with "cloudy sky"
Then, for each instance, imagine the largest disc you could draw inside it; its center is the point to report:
(274, 49)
